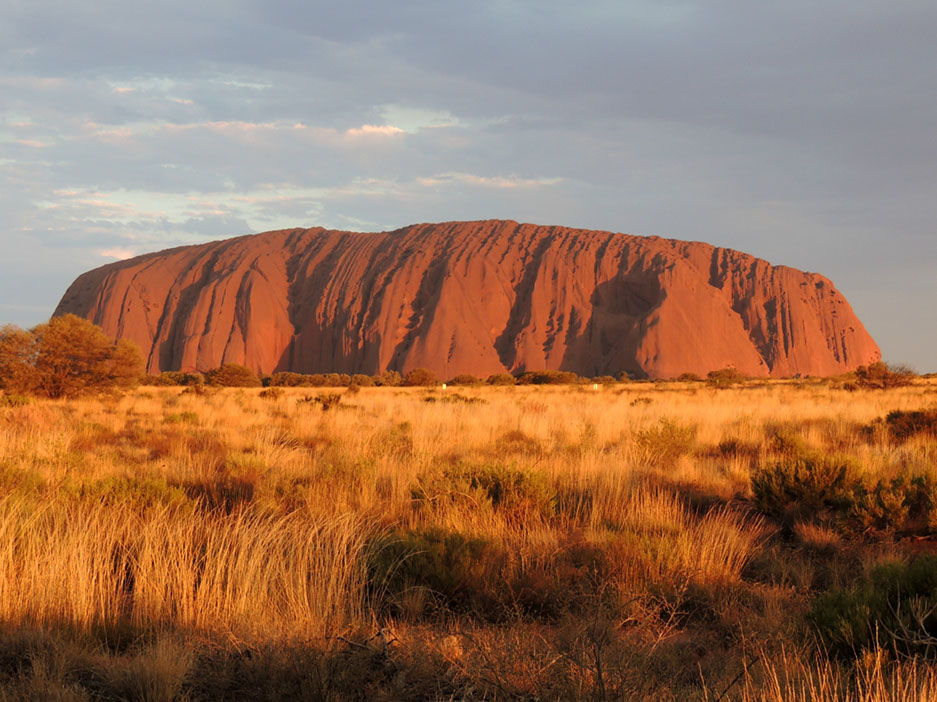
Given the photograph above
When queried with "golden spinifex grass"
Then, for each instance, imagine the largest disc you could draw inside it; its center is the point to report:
(556, 541)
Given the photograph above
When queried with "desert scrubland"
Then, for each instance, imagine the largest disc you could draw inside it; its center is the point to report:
(651, 541)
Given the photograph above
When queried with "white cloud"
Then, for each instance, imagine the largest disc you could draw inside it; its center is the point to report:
(368, 130)
(117, 254)
(508, 182)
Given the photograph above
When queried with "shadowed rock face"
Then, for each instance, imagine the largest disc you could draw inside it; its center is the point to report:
(472, 297)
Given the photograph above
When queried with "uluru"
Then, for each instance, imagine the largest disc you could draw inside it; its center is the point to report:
(479, 297)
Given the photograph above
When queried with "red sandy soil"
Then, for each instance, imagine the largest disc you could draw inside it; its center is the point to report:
(473, 297)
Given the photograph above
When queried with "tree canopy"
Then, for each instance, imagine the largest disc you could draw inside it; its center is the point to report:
(65, 357)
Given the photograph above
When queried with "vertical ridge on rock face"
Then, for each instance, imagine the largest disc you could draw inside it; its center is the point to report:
(472, 297)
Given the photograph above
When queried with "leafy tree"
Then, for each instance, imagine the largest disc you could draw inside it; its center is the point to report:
(17, 360)
(65, 357)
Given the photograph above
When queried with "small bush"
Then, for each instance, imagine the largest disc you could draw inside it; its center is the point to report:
(515, 494)
(420, 377)
(548, 377)
(465, 379)
(232, 375)
(667, 441)
(900, 504)
(814, 487)
(883, 376)
(272, 393)
(13, 400)
(605, 380)
(449, 568)
(903, 425)
(181, 418)
(325, 400)
(361, 380)
(174, 378)
(389, 379)
(893, 608)
(689, 378)
(501, 379)
(454, 398)
(199, 390)
(287, 379)
(724, 377)
(803, 488)
(787, 441)
(736, 448)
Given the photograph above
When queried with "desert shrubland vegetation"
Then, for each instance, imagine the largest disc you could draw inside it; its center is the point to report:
(684, 541)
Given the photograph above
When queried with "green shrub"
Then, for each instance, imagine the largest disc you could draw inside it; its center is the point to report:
(892, 608)
(667, 441)
(124, 490)
(396, 441)
(803, 487)
(787, 441)
(515, 494)
(181, 418)
(815, 487)
(904, 503)
(451, 568)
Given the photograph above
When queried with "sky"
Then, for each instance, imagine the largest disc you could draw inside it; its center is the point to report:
(802, 132)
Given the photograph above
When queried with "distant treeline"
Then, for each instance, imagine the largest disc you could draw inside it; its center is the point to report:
(876, 375)
(69, 356)
(233, 375)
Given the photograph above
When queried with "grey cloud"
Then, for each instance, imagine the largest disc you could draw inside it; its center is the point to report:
(798, 131)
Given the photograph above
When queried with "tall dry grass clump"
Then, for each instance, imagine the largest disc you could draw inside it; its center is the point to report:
(98, 566)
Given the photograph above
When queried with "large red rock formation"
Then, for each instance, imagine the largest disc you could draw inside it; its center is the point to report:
(472, 297)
